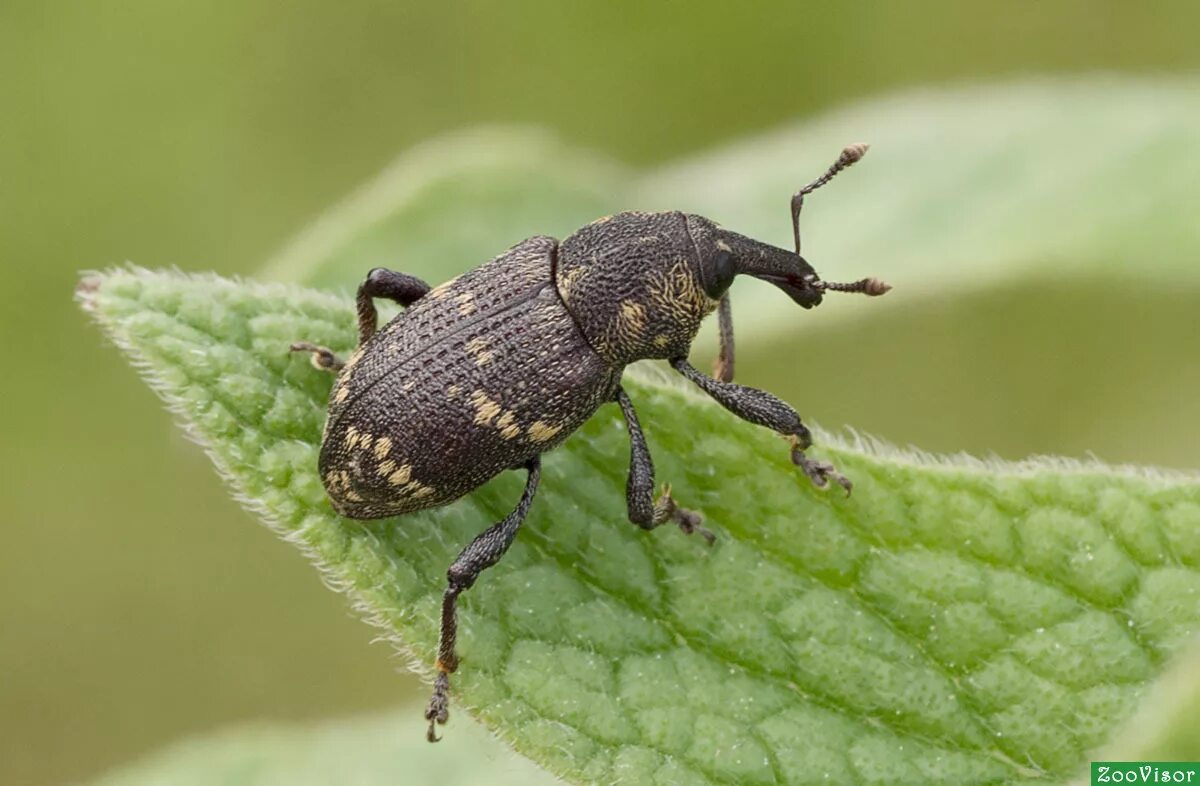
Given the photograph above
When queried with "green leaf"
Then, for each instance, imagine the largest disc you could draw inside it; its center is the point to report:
(370, 751)
(1167, 726)
(954, 621)
(451, 203)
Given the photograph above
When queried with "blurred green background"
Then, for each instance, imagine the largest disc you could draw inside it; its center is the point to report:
(138, 603)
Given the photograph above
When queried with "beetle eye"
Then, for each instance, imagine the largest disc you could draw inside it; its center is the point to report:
(720, 273)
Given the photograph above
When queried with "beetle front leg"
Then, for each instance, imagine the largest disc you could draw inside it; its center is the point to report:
(639, 490)
(763, 409)
(483, 552)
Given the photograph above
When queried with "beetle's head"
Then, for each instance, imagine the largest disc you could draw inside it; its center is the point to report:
(733, 255)
(725, 255)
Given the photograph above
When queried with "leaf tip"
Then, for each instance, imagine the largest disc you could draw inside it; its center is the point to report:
(86, 289)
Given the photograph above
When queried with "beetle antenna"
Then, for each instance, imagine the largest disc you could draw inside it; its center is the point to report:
(872, 287)
(851, 155)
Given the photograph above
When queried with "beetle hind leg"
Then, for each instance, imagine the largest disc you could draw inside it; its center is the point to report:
(321, 358)
(400, 288)
(644, 510)
(483, 552)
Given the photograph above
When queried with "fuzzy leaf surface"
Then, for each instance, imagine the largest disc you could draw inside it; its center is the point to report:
(952, 622)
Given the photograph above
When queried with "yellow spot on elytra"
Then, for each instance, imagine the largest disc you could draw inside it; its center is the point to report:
(508, 428)
(440, 290)
(409, 385)
(338, 483)
(382, 447)
(478, 348)
(401, 476)
(453, 391)
(351, 438)
(341, 394)
(662, 340)
(353, 361)
(411, 488)
(386, 468)
(543, 432)
(365, 441)
(721, 244)
(485, 408)
(466, 303)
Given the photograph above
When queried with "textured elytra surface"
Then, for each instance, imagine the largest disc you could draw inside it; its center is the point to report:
(480, 375)
(948, 623)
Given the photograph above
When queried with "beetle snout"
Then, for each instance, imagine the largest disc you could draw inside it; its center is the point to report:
(805, 290)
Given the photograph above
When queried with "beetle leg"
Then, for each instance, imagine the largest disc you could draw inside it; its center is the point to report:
(763, 409)
(639, 490)
(723, 368)
(322, 358)
(381, 282)
(483, 552)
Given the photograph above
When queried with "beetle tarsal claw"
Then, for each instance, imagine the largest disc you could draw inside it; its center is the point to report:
(819, 472)
(438, 711)
(321, 357)
(689, 521)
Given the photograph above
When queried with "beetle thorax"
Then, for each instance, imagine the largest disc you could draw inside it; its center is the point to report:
(632, 283)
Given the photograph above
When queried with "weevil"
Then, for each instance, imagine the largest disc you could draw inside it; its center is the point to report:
(492, 369)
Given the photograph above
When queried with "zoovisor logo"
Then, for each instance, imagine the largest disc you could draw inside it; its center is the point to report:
(1146, 772)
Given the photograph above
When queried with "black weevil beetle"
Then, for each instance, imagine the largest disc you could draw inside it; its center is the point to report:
(491, 369)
